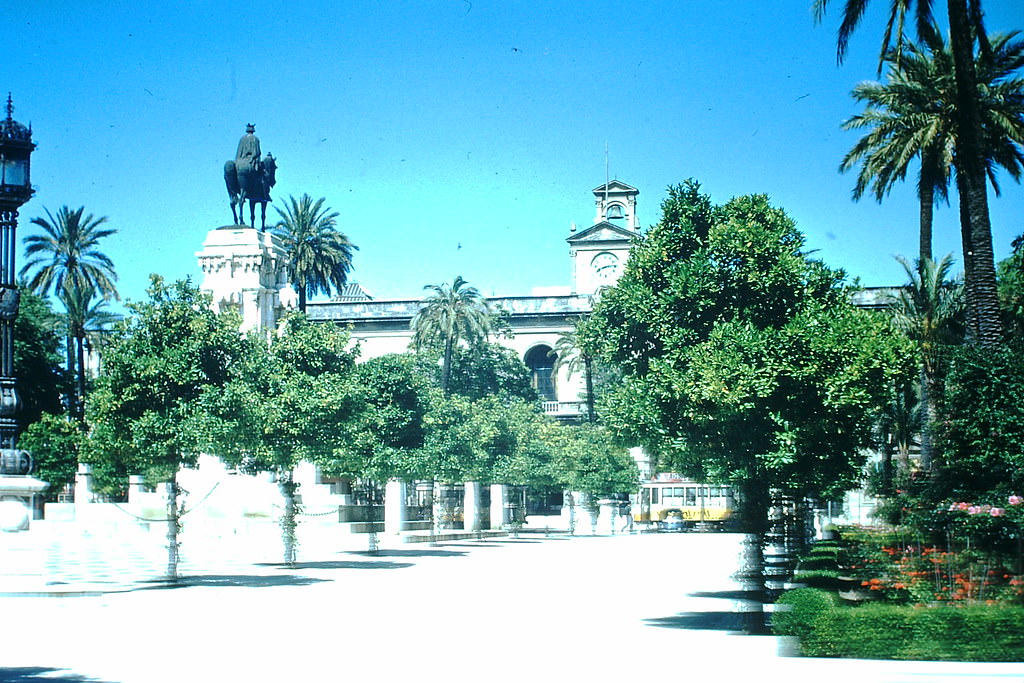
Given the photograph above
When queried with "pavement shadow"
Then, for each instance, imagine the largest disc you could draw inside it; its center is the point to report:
(739, 594)
(339, 564)
(235, 581)
(38, 674)
(419, 552)
(748, 623)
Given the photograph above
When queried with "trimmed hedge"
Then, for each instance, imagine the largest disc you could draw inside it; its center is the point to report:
(970, 633)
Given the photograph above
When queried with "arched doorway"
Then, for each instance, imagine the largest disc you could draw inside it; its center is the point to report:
(542, 365)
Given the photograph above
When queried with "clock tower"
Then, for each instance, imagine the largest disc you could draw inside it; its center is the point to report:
(599, 253)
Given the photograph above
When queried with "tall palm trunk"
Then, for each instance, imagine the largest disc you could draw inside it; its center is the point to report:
(588, 372)
(302, 299)
(971, 181)
(446, 363)
(926, 197)
(971, 321)
(80, 375)
(887, 449)
(70, 382)
(925, 378)
(929, 401)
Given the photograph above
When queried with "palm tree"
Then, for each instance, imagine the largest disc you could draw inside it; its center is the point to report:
(898, 423)
(965, 25)
(906, 119)
(929, 310)
(66, 258)
(569, 354)
(85, 320)
(451, 314)
(912, 115)
(319, 255)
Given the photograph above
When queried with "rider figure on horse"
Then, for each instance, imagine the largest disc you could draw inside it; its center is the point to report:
(248, 154)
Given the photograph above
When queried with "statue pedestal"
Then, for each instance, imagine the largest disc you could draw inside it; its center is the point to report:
(17, 493)
(246, 270)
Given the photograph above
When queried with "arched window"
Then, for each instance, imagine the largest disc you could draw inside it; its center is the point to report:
(615, 211)
(542, 367)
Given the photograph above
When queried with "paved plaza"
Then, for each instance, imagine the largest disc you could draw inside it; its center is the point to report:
(534, 608)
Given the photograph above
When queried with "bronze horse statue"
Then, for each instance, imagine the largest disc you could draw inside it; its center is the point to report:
(253, 183)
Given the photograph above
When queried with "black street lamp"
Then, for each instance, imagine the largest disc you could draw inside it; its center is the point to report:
(15, 189)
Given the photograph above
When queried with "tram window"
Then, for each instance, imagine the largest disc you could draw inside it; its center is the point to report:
(654, 496)
(691, 495)
(716, 491)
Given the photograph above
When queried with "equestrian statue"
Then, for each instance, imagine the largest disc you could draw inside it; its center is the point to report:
(249, 177)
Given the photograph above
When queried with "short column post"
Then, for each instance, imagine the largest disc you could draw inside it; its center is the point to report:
(499, 505)
(471, 506)
(83, 485)
(394, 506)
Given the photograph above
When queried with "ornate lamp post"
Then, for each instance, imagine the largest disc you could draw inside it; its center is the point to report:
(16, 488)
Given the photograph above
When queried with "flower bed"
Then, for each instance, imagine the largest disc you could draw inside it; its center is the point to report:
(900, 594)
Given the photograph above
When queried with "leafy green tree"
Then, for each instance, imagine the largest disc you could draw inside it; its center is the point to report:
(66, 258)
(744, 360)
(449, 315)
(523, 446)
(55, 443)
(383, 439)
(488, 369)
(285, 404)
(36, 361)
(319, 255)
(145, 413)
(966, 29)
(929, 311)
(1011, 292)
(587, 459)
(981, 432)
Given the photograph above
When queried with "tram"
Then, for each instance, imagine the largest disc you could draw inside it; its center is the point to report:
(673, 502)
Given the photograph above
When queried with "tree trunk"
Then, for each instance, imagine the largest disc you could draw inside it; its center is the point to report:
(80, 375)
(928, 417)
(72, 374)
(172, 528)
(972, 183)
(289, 524)
(887, 449)
(971, 322)
(927, 209)
(588, 371)
(446, 364)
(302, 298)
(754, 506)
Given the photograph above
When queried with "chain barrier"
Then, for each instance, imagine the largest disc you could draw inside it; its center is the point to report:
(181, 513)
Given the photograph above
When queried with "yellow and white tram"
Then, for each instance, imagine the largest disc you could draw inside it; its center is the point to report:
(670, 500)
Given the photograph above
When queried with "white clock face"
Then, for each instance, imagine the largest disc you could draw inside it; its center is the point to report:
(606, 266)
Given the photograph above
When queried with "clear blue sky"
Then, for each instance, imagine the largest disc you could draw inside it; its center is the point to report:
(460, 123)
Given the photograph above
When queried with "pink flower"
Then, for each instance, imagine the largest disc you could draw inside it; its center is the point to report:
(1016, 500)
(962, 506)
(974, 509)
(996, 512)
